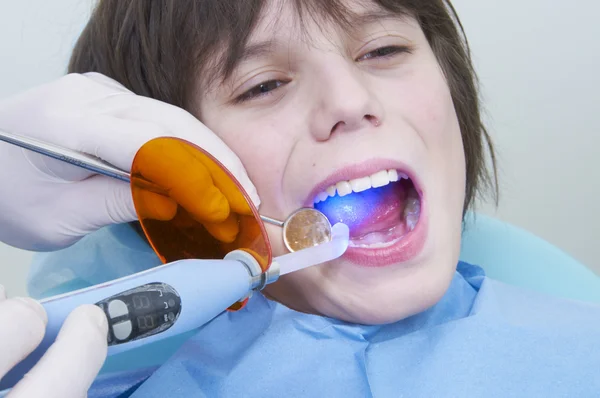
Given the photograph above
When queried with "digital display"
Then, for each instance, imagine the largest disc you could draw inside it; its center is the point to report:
(141, 312)
(146, 322)
(141, 301)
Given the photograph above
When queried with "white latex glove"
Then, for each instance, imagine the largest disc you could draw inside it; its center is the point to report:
(69, 366)
(47, 204)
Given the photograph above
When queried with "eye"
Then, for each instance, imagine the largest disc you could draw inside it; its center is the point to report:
(260, 90)
(385, 52)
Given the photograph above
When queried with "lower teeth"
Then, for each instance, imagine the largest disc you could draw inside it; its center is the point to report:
(412, 210)
(383, 242)
(411, 213)
(379, 245)
(411, 221)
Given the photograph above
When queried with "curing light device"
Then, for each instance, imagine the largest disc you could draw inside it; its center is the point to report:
(174, 298)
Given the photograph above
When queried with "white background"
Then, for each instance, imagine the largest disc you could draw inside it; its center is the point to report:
(538, 62)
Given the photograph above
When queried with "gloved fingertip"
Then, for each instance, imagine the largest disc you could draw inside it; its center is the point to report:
(215, 209)
(154, 206)
(95, 315)
(99, 317)
(35, 306)
(222, 212)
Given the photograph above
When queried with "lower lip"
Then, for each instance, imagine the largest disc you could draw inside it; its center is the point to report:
(405, 249)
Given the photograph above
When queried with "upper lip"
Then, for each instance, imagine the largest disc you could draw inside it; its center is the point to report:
(359, 170)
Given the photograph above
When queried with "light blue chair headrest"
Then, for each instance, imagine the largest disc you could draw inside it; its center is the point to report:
(517, 257)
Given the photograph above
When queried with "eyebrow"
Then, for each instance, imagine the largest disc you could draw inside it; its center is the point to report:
(372, 16)
(249, 52)
(256, 50)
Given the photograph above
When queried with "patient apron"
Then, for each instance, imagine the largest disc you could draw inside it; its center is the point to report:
(482, 339)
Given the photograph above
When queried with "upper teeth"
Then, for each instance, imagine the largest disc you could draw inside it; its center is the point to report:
(343, 188)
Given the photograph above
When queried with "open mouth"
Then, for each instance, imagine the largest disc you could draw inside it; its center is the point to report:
(380, 209)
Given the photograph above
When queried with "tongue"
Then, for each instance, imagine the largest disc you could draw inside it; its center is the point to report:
(376, 209)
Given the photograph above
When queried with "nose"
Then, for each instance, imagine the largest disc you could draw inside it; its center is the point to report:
(345, 102)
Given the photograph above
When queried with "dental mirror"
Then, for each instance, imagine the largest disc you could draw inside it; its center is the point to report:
(304, 228)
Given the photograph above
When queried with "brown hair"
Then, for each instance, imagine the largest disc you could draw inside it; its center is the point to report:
(158, 49)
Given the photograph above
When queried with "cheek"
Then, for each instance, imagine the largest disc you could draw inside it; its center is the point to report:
(263, 148)
(443, 139)
(426, 103)
(430, 109)
(260, 147)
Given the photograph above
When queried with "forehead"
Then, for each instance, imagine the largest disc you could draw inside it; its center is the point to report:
(254, 29)
(305, 18)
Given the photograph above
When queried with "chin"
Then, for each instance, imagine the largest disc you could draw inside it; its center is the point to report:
(373, 297)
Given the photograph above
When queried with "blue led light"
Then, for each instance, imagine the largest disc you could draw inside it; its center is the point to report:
(355, 208)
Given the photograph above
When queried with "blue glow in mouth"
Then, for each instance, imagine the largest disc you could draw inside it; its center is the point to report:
(357, 207)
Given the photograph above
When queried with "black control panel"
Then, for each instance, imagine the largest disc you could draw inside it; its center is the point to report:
(141, 312)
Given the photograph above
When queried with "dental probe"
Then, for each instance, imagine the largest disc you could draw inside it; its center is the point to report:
(303, 228)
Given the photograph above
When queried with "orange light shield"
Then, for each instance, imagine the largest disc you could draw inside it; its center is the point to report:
(191, 207)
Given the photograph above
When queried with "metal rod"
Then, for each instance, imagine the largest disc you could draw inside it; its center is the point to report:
(88, 162)
(272, 221)
(66, 155)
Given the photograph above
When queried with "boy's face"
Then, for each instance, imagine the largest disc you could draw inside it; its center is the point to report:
(315, 108)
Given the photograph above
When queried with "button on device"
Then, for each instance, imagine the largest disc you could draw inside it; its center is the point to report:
(117, 308)
(122, 330)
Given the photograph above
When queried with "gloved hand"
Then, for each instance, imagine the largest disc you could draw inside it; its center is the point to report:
(70, 365)
(47, 204)
(193, 181)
